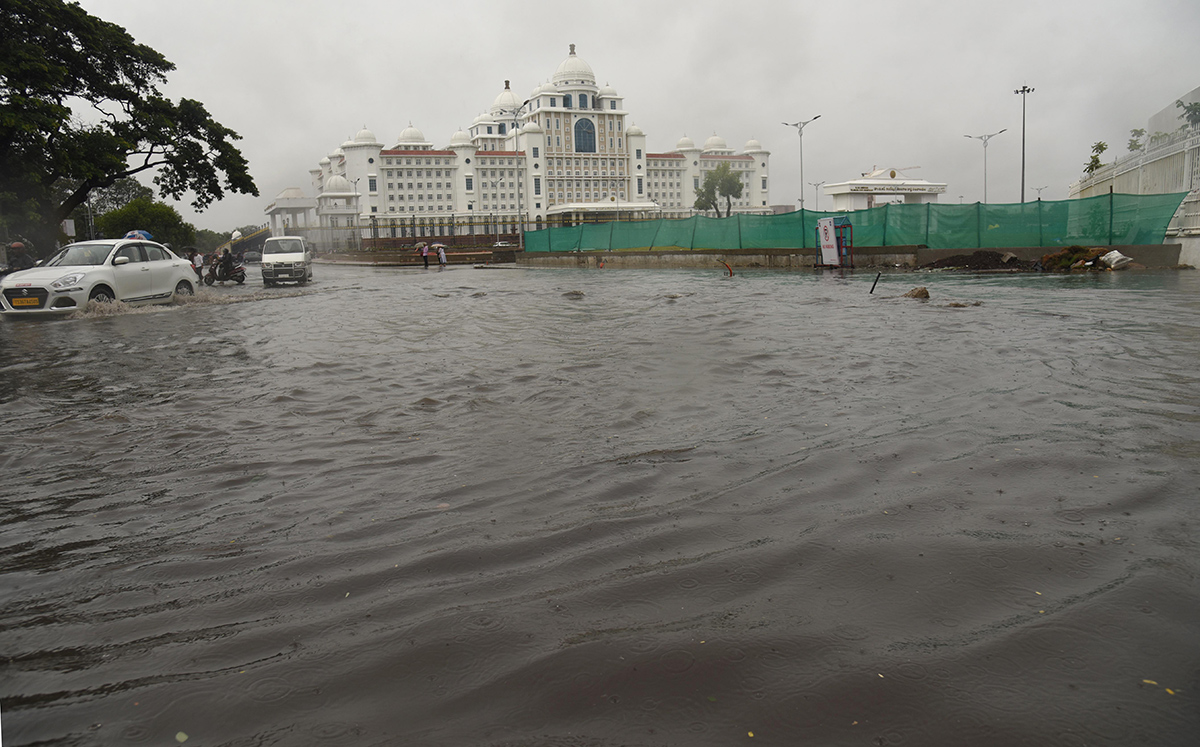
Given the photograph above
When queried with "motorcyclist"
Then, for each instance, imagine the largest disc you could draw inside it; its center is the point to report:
(226, 265)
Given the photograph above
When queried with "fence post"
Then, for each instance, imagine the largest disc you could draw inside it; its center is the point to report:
(978, 225)
(1110, 214)
(928, 208)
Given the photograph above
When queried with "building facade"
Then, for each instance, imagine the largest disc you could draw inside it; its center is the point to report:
(1168, 161)
(568, 153)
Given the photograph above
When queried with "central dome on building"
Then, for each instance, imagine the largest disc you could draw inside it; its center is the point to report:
(574, 70)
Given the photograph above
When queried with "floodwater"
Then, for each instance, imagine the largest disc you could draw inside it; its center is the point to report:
(588, 509)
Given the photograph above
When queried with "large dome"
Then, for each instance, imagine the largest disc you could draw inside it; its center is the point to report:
(506, 101)
(574, 70)
(365, 136)
(716, 142)
(685, 143)
(411, 135)
(337, 184)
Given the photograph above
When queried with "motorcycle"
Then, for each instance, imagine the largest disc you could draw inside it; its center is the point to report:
(216, 272)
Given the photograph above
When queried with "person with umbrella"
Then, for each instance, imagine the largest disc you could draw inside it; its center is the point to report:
(441, 256)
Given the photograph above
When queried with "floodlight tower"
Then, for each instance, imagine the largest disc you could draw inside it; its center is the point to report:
(1021, 92)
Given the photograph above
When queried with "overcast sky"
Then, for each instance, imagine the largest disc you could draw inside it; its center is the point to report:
(897, 84)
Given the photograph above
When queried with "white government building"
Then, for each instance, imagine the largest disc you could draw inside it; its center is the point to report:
(565, 155)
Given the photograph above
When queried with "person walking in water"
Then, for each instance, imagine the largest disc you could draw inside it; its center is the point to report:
(425, 254)
(441, 257)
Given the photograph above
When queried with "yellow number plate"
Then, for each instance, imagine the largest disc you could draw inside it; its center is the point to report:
(26, 302)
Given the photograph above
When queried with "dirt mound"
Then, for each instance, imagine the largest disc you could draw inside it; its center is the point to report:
(981, 260)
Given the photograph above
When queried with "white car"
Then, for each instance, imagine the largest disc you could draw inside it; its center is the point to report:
(133, 271)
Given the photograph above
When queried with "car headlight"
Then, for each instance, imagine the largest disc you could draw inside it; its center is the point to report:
(268, 265)
(67, 280)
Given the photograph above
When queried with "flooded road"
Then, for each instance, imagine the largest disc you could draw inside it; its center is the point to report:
(570, 508)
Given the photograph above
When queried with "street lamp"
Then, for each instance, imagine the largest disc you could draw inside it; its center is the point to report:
(816, 195)
(516, 114)
(800, 130)
(1022, 91)
(985, 139)
(1039, 190)
(357, 209)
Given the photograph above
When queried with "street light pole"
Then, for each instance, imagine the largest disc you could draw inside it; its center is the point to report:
(800, 130)
(816, 195)
(985, 139)
(1022, 91)
(516, 115)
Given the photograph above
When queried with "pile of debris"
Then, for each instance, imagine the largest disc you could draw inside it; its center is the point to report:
(983, 260)
(1085, 258)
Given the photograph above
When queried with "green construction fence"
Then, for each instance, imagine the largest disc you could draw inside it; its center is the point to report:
(1094, 221)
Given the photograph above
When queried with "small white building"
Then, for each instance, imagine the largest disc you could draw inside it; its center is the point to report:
(882, 186)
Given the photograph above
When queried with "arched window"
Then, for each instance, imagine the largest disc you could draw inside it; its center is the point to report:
(585, 136)
(583, 101)
(567, 101)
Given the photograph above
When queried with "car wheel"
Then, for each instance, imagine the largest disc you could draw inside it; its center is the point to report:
(102, 294)
(184, 288)
(267, 284)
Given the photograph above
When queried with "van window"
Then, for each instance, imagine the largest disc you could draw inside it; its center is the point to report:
(284, 246)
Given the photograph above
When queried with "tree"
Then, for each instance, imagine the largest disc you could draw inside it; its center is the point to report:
(56, 55)
(207, 241)
(1097, 148)
(1135, 139)
(1191, 112)
(162, 221)
(720, 182)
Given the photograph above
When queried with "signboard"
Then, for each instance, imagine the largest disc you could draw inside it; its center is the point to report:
(829, 249)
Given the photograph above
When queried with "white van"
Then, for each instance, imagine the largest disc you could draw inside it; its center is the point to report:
(286, 258)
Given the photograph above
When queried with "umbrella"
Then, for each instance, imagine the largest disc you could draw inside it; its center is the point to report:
(436, 246)
(139, 234)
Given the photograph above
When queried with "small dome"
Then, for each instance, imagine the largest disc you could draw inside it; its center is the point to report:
(364, 136)
(337, 183)
(574, 69)
(484, 118)
(411, 135)
(291, 193)
(348, 144)
(608, 91)
(337, 153)
(532, 128)
(685, 143)
(325, 161)
(634, 130)
(752, 145)
(716, 142)
(460, 138)
(549, 87)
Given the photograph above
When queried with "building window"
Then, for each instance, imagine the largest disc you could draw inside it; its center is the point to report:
(583, 101)
(501, 128)
(585, 136)
(639, 154)
(537, 186)
(639, 185)
(489, 130)
(553, 101)
(764, 182)
(535, 151)
(470, 184)
(371, 184)
(567, 101)
(612, 105)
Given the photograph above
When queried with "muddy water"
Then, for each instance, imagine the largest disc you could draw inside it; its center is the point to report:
(503, 507)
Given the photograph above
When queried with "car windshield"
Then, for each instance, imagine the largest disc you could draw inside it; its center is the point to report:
(92, 253)
(286, 246)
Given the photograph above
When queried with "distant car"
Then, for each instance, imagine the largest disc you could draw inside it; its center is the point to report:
(252, 256)
(132, 271)
(286, 258)
(502, 244)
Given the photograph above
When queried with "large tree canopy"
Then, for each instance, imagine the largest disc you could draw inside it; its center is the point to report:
(56, 56)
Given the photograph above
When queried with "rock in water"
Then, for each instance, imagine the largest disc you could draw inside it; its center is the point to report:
(917, 293)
